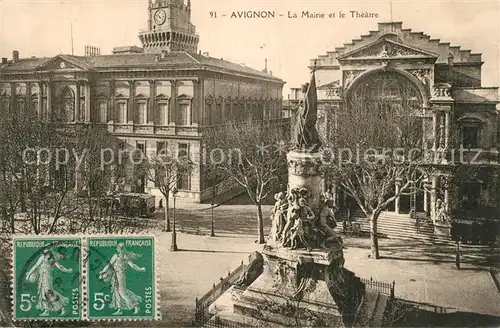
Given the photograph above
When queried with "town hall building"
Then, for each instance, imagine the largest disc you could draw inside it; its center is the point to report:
(163, 95)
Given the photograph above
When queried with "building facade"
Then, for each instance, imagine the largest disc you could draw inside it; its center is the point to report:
(444, 85)
(161, 96)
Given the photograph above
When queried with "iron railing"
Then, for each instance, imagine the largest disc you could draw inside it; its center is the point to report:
(202, 313)
(380, 286)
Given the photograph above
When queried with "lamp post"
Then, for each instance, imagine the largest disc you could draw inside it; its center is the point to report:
(212, 232)
(174, 235)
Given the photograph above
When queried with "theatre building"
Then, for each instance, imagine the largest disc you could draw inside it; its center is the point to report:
(164, 94)
(443, 82)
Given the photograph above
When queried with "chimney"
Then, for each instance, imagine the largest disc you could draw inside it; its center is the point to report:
(15, 55)
(4, 60)
(271, 73)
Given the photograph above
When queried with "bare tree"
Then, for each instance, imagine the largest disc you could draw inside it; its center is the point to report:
(165, 171)
(376, 143)
(253, 155)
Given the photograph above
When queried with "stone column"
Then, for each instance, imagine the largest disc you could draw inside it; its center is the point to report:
(442, 129)
(433, 198)
(172, 112)
(87, 102)
(77, 102)
(446, 198)
(40, 99)
(398, 198)
(435, 131)
(49, 100)
(334, 195)
(426, 202)
(12, 96)
(28, 96)
(131, 103)
(447, 130)
(111, 102)
(151, 103)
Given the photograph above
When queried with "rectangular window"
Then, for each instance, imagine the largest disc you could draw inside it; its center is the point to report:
(20, 104)
(470, 137)
(141, 146)
(162, 113)
(161, 146)
(142, 113)
(183, 181)
(219, 115)
(183, 114)
(34, 106)
(122, 112)
(103, 112)
(183, 150)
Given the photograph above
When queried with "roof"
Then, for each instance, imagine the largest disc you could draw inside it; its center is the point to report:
(177, 59)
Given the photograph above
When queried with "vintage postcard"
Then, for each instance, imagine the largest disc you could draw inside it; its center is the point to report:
(248, 163)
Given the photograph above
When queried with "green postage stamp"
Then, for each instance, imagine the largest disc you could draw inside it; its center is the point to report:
(121, 279)
(84, 278)
(47, 278)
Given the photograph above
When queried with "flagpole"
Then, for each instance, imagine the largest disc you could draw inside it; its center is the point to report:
(72, 47)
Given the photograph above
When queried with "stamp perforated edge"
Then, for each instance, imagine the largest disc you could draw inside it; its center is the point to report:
(157, 315)
(14, 238)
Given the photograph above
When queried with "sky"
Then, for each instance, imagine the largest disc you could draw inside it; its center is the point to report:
(43, 28)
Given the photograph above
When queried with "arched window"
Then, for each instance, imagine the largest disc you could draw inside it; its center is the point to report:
(68, 105)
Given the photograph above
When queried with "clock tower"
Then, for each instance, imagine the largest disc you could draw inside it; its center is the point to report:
(169, 27)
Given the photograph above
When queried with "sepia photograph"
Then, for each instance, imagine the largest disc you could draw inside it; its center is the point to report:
(249, 163)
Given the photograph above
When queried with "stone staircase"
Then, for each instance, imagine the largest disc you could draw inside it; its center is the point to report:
(405, 240)
(392, 225)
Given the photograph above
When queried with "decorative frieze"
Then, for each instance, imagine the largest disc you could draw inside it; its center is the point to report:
(442, 90)
(387, 50)
(423, 75)
(349, 76)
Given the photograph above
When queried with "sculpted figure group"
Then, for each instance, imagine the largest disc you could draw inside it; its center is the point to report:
(295, 225)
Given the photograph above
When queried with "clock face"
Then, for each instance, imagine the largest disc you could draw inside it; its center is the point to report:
(160, 17)
(62, 65)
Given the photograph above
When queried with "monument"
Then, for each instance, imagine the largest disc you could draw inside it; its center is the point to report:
(301, 280)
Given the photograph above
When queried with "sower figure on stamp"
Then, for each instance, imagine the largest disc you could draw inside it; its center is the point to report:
(115, 270)
(49, 300)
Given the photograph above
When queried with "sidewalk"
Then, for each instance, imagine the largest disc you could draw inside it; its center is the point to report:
(202, 260)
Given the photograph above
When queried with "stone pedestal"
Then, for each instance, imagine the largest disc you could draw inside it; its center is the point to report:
(302, 289)
(304, 171)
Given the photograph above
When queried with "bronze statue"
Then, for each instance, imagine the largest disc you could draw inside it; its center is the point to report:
(305, 136)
